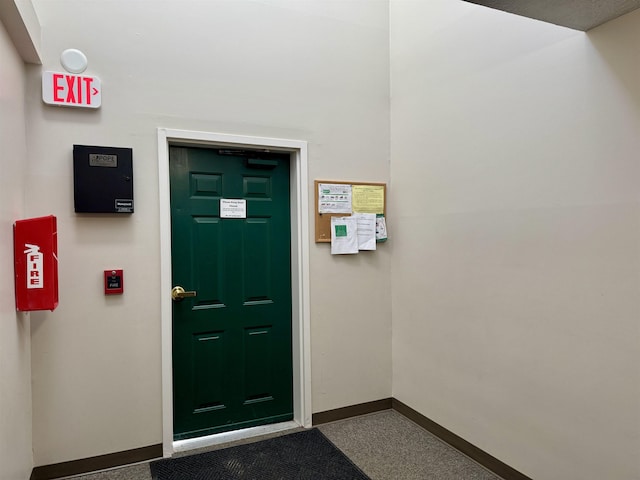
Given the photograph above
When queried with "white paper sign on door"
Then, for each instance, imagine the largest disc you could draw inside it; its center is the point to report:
(231, 208)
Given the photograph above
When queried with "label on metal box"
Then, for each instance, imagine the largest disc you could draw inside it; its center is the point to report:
(124, 206)
(102, 160)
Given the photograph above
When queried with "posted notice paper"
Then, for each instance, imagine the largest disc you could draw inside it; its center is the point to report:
(368, 198)
(334, 198)
(344, 235)
(366, 230)
(381, 229)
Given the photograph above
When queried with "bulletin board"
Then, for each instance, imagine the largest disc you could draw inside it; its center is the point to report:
(323, 220)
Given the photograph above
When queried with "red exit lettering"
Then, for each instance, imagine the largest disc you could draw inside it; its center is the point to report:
(71, 90)
(74, 93)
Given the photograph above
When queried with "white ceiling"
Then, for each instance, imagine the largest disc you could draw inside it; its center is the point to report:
(576, 14)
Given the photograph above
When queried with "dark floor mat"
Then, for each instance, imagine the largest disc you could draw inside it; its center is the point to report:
(306, 455)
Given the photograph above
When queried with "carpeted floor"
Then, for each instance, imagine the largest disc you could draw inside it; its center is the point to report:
(385, 445)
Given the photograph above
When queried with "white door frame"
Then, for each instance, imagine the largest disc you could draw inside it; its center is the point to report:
(301, 333)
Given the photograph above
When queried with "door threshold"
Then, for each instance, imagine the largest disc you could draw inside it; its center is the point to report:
(226, 437)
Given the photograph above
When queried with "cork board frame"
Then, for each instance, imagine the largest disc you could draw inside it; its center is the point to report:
(323, 220)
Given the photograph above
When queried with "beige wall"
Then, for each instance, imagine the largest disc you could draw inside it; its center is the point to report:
(513, 217)
(314, 71)
(516, 229)
(15, 359)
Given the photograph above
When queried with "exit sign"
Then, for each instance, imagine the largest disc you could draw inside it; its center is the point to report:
(70, 90)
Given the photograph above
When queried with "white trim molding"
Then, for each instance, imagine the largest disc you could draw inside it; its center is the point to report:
(301, 324)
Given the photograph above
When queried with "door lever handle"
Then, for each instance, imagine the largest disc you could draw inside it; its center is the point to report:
(178, 293)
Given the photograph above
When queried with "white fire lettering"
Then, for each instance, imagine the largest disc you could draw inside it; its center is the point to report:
(35, 261)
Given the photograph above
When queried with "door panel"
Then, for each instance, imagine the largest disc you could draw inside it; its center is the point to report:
(258, 354)
(206, 262)
(208, 349)
(257, 272)
(232, 341)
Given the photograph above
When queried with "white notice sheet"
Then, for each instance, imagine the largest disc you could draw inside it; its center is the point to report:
(344, 235)
(381, 229)
(233, 208)
(334, 198)
(366, 230)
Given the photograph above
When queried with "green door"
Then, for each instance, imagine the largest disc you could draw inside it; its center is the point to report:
(232, 357)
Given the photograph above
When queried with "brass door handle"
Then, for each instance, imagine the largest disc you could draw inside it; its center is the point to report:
(178, 293)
